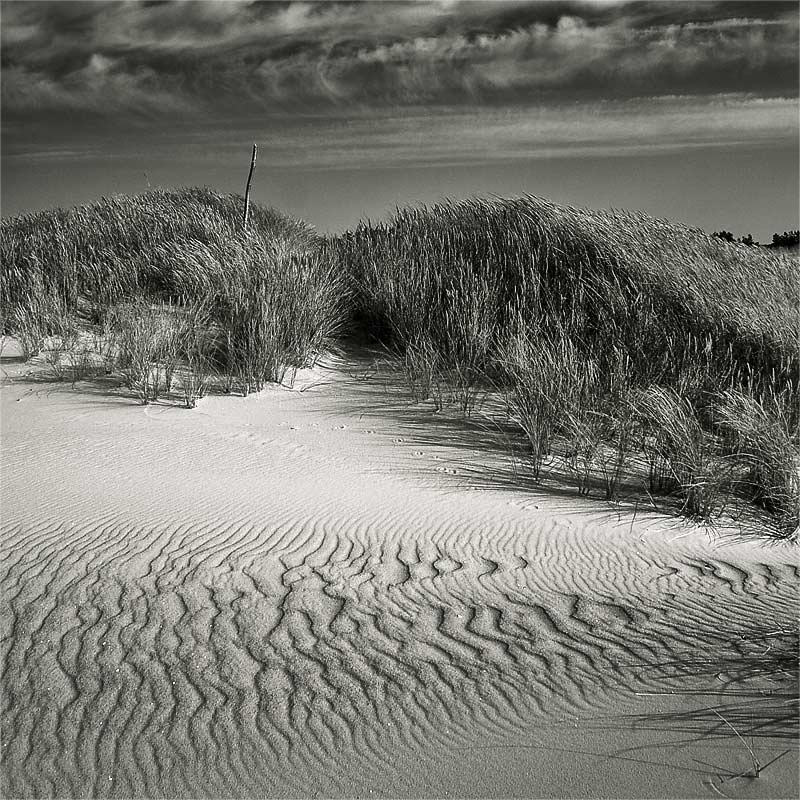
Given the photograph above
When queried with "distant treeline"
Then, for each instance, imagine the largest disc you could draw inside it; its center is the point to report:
(785, 239)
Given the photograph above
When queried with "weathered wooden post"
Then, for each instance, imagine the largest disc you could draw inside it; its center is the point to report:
(247, 190)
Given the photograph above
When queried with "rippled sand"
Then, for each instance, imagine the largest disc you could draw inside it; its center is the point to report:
(315, 592)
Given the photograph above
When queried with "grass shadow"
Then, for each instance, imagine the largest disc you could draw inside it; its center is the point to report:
(755, 680)
(486, 451)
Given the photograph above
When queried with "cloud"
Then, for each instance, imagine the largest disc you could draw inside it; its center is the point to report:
(459, 135)
(274, 58)
(360, 85)
(98, 87)
(485, 135)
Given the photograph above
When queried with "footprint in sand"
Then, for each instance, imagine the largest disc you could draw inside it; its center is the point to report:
(338, 427)
(397, 441)
(447, 470)
(523, 506)
(418, 453)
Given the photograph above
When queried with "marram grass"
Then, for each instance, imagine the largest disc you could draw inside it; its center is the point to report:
(616, 337)
(608, 330)
(266, 295)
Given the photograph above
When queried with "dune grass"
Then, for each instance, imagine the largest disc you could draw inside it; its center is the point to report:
(612, 333)
(617, 339)
(138, 268)
(161, 242)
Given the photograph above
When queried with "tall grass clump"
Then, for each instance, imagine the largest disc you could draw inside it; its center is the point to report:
(198, 347)
(32, 323)
(136, 267)
(277, 318)
(550, 389)
(614, 334)
(123, 246)
(685, 456)
(763, 445)
(148, 340)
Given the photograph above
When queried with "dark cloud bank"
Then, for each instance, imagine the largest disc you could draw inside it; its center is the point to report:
(213, 57)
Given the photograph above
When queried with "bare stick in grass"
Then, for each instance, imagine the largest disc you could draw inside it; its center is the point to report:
(247, 188)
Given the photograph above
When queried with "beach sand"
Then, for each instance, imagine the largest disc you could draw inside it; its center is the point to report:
(325, 591)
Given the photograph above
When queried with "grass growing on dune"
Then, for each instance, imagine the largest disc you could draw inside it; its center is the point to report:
(161, 242)
(471, 275)
(138, 267)
(612, 333)
(617, 339)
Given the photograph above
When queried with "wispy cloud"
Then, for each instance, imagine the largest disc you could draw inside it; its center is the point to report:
(212, 57)
(350, 85)
(455, 135)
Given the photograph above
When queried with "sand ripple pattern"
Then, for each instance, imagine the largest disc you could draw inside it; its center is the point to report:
(243, 660)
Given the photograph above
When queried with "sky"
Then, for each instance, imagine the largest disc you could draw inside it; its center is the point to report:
(686, 110)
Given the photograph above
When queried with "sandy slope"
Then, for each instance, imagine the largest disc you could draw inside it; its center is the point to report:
(321, 592)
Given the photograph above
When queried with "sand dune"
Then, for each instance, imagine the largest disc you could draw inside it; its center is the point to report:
(308, 592)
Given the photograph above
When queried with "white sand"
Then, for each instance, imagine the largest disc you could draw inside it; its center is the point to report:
(328, 593)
